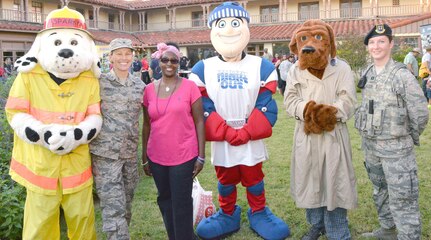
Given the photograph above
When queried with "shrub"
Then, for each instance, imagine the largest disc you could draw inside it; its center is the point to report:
(400, 52)
(12, 196)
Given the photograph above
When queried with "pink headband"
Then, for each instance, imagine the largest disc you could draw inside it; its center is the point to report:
(162, 48)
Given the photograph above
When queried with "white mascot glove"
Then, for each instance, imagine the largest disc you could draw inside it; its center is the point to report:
(60, 141)
(88, 129)
(33, 131)
(83, 133)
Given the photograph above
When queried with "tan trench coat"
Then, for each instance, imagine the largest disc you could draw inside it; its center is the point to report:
(321, 170)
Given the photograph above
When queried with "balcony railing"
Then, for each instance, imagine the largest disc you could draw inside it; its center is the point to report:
(349, 13)
(15, 15)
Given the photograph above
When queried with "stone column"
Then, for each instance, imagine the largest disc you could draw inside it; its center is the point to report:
(96, 16)
(24, 10)
(206, 12)
(142, 25)
(121, 20)
(173, 18)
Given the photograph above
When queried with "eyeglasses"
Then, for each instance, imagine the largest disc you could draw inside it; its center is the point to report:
(166, 60)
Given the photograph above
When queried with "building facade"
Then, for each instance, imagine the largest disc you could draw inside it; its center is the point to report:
(147, 23)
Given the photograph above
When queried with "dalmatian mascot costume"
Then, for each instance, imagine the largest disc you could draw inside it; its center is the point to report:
(54, 110)
(239, 112)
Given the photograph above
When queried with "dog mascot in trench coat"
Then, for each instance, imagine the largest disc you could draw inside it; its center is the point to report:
(239, 110)
(54, 110)
(321, 95)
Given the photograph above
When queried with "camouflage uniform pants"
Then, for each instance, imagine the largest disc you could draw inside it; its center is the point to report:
(115, 184)
(396, 193)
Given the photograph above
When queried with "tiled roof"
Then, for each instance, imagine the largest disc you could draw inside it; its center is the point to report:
(185, 37)
(19, 26)
(278, 32)
(259, 33)
(107, 36)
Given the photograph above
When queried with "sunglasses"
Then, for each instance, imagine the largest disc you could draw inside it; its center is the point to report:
(166, 60)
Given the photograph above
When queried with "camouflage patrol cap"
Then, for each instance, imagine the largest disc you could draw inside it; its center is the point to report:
(418, 50)
(120, 43)
(378, 30)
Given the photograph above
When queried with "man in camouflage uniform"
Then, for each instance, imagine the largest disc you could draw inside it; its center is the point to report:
(390, 119)
(114, 151)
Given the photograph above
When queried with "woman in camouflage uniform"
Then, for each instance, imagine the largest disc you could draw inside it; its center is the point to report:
(115, 150)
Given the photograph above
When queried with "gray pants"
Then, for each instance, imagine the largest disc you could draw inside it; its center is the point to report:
(396, 193)
(115, 181)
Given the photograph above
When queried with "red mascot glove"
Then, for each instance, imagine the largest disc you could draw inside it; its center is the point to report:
(242, 137)
(216, 129)
(231, 135)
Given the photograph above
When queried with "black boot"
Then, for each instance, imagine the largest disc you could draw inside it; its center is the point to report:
(314, 233)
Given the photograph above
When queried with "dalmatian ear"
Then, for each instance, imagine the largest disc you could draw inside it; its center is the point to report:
(95, 67)
(27, 62)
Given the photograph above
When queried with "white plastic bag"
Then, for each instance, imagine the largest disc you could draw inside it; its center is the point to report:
(203, 205)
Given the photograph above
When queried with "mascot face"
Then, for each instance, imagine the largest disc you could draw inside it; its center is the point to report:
(230, 36)
(313, 43)
(66, 52)
(64, 47)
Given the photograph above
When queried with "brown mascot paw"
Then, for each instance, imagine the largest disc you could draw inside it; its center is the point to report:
(325, 117)
(309, 125)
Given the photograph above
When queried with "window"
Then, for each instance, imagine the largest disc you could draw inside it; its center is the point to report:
(111, 20)
(167, 18)
(81, 11)
(411, 42)
(91, 18)
(281, 48)
(198, 53)
(16, 13)
(255, 49)
(17, 5)
(350, 8)
(197, 19)
(8, 55)
(269, 14)
(36, 11)
(395, 2)
(13, 55)
(308, 10)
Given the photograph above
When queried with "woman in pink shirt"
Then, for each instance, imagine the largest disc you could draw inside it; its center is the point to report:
(173, 144)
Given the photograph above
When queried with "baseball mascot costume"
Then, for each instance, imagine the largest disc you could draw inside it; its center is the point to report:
(239, 112)
(54, 110)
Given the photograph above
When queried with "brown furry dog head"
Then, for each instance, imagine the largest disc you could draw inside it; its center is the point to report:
(314, 42)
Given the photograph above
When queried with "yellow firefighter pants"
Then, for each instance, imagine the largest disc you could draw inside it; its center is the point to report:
(42, 215)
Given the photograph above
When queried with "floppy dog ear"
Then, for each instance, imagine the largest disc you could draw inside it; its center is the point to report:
(293, 46)
(95, 67)
(27, 62)
(332, 40)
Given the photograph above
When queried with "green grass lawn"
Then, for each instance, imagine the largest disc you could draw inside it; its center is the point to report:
(147, 222)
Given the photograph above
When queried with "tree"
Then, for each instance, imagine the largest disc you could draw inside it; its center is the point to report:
(354, 52)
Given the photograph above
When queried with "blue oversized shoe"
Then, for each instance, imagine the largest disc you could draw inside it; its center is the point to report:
(219, 225)
(267, 225)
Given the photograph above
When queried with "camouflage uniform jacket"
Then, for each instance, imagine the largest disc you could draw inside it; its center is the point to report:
(393, 112)
(121, 107)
